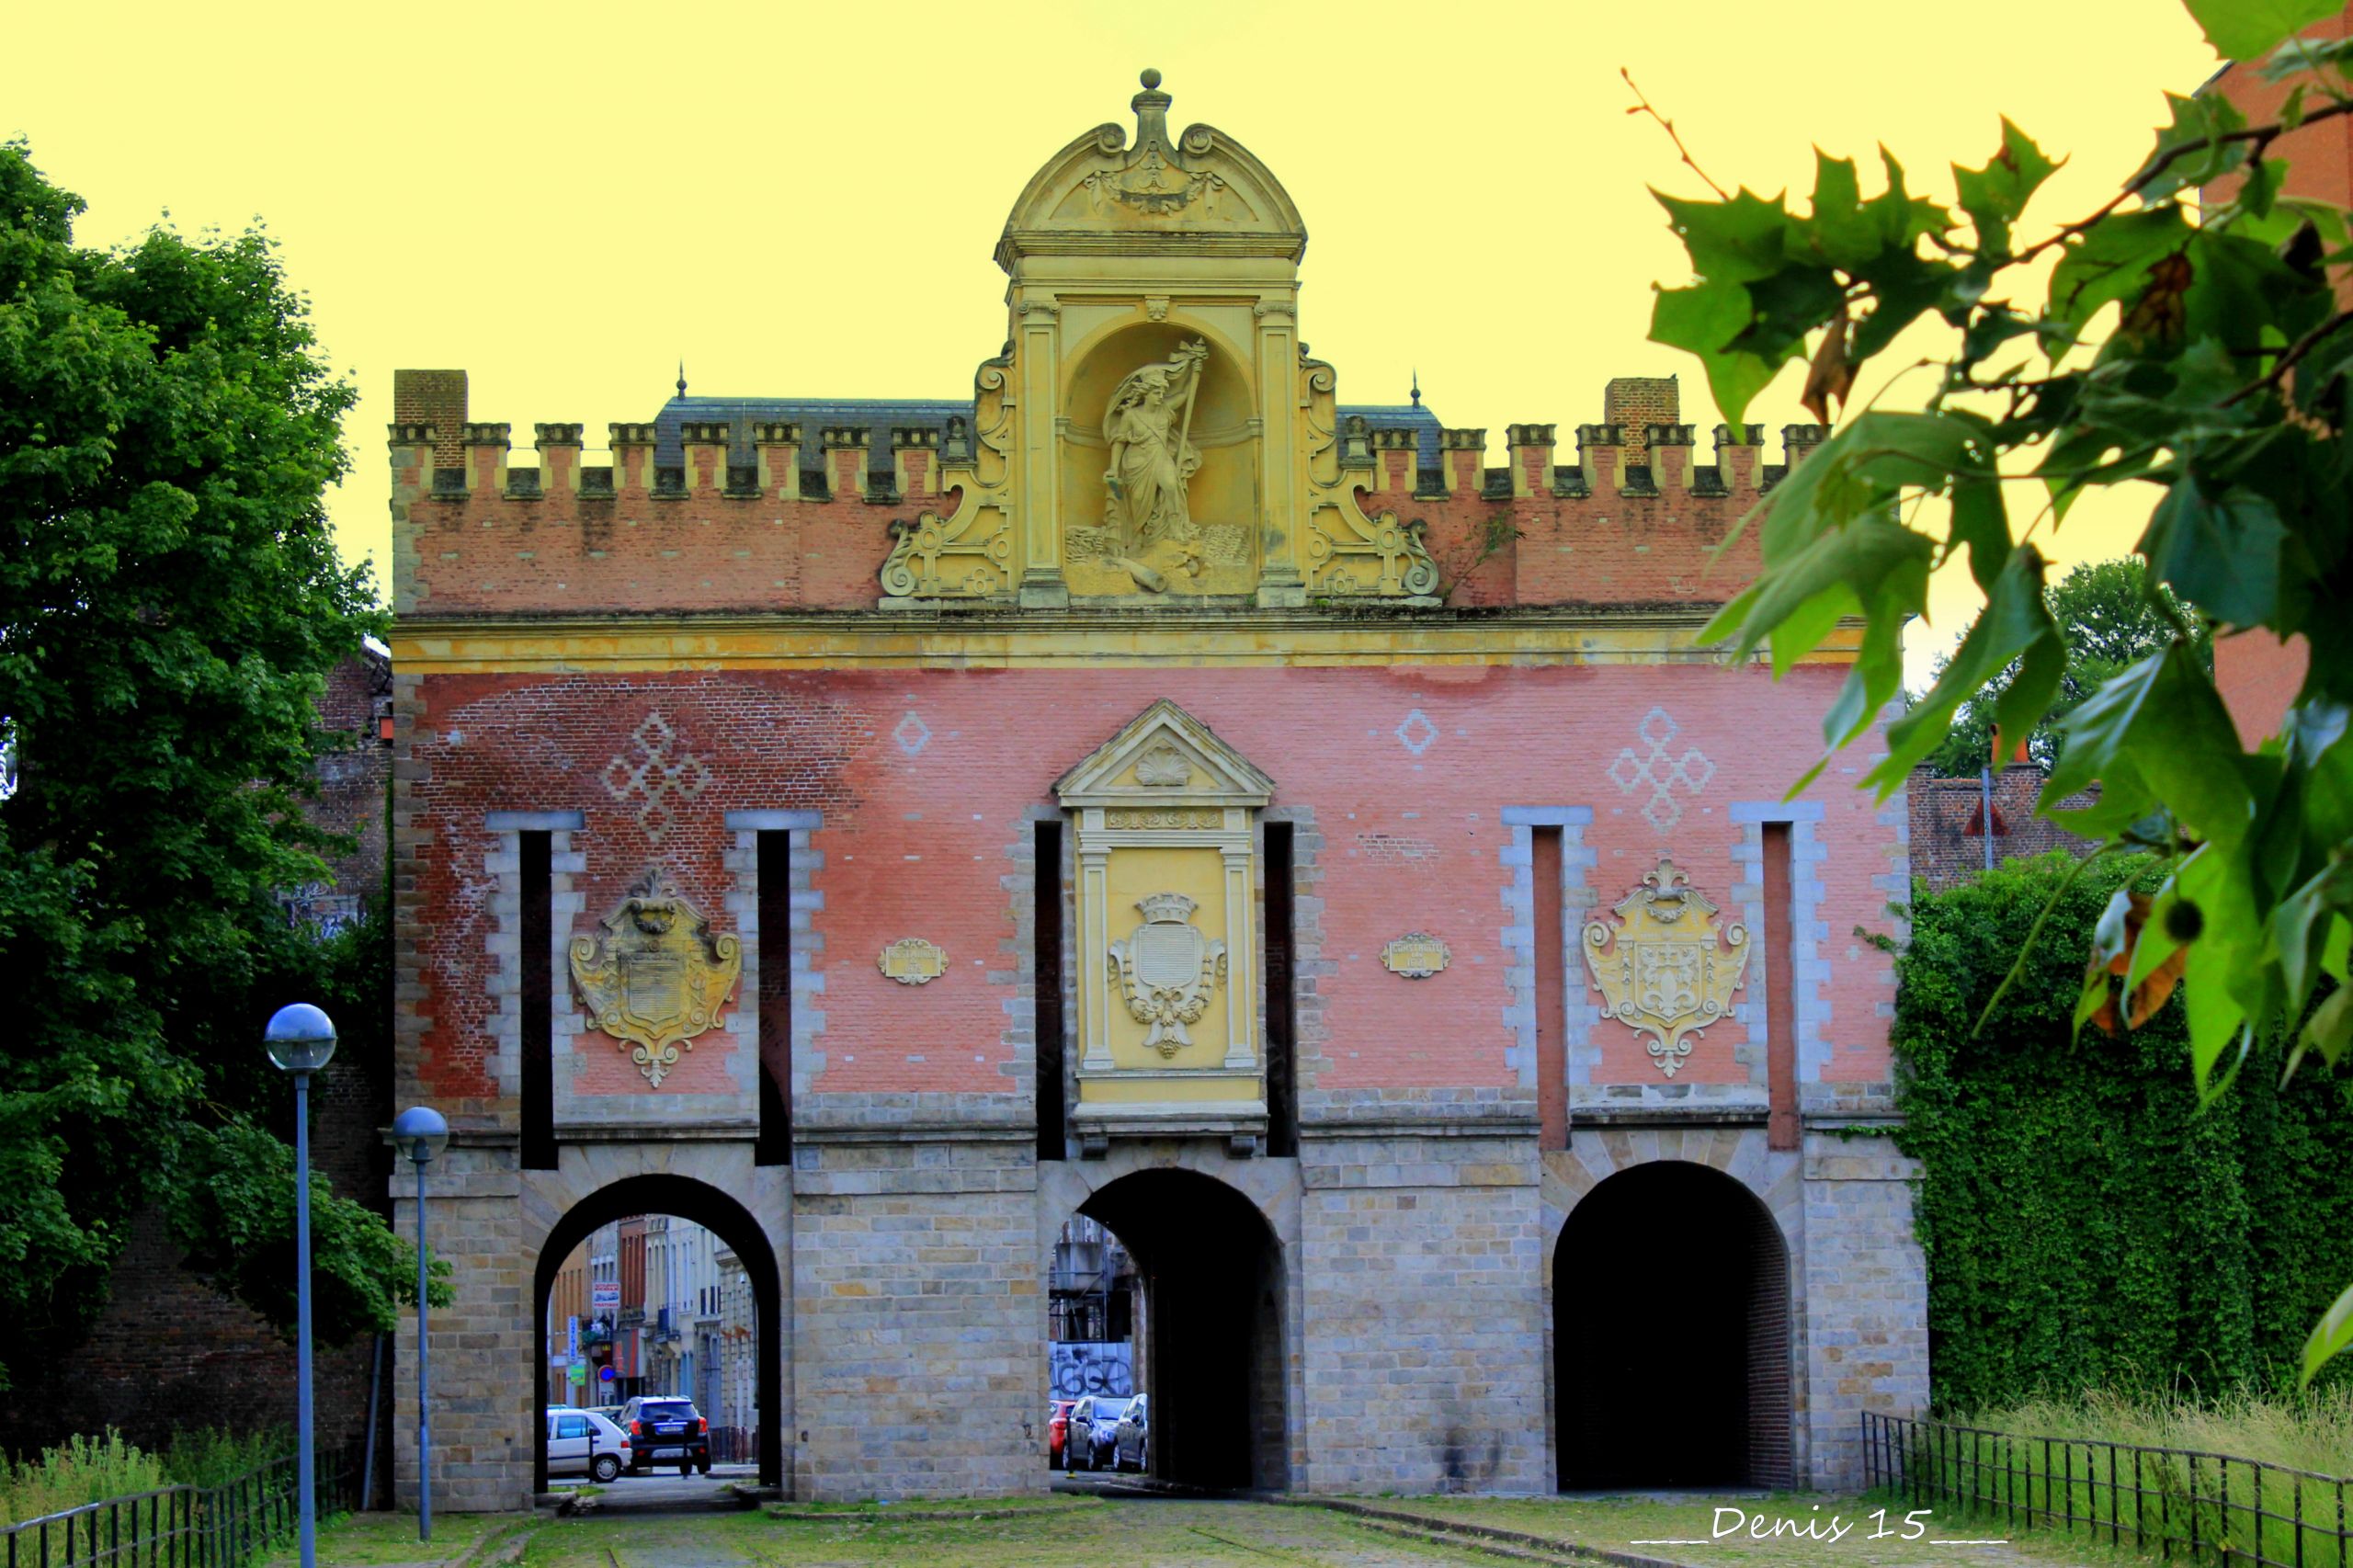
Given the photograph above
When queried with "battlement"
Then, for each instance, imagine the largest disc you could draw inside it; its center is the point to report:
(738, 513)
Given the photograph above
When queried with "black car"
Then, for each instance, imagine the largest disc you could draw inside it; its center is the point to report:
(666, 1430)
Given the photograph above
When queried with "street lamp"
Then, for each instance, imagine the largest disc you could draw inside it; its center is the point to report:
(420, 1133)
(301, 1040)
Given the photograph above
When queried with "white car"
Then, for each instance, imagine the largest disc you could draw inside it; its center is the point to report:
(581, 1442)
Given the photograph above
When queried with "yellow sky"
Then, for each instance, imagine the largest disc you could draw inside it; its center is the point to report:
(801, 199)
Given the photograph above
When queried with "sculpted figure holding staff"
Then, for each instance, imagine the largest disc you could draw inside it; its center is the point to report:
(1153, 459)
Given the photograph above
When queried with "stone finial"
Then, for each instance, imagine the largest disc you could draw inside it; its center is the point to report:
(409, 435)
(844, 437)
(767, 433)
(704, 433)
(629, 435)
(556, 434)
(474, 435)
(1668, 435)
(907, 437)
(1530, 434)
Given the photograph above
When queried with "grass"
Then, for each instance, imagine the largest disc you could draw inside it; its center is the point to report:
(359, 1541)
(1131, 1535)
(1632, 1524)
(1151, 1534)
(80, 1471)
(2048, 1467)
(871, 1509)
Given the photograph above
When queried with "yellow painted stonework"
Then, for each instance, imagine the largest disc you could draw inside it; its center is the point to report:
(910, 641)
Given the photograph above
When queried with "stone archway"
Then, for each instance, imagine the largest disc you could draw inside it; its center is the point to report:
(1671, 1336)
(733, 1224)
(1214, 1362)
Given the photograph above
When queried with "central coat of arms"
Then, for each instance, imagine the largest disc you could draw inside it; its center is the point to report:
(1167, 970)
(1666, 974)
(656, 977)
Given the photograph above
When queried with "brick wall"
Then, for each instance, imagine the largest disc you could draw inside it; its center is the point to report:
(1947, 830)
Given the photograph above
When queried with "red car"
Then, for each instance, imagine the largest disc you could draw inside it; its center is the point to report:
(1058, 1434)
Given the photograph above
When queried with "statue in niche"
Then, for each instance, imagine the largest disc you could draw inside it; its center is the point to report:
(1148, 428)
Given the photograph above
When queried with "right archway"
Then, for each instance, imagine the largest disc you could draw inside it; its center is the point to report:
(1671, 1334)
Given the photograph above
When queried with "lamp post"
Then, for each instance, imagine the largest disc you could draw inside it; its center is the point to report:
(420, 1133)
(301, 1040)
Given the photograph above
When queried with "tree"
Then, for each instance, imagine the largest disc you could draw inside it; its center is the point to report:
(170, 601)
(2200, 349)
(2114, 619)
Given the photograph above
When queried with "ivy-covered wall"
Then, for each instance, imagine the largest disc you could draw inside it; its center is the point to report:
(2085, 1224)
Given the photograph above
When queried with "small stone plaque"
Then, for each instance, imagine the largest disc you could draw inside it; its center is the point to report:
(1416, 955)
(911, 960)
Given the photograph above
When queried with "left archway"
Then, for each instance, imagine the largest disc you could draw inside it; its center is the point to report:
(724, 1217)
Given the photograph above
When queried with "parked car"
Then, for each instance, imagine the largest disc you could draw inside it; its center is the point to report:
(581, 1442)
(1093, 1428)
(663, 1430)
(1058, 1434)
(1132, 1438)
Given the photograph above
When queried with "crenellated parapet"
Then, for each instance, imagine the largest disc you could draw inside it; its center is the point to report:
(1153, 438)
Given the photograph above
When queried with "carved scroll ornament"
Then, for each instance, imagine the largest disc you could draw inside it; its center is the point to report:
(1167, 971)
(656, 976)
(1661, 971)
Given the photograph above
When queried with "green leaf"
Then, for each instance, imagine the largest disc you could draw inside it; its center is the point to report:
(2220, 552)
(1732, 241)
(2246, 29)
(2329, 1030)
(2111, 261)
(2096, 731)
(1995, 195)
(2198, 123)
(2183, 742)
(1703, 319)
(2331, 1337)
(2014, 620)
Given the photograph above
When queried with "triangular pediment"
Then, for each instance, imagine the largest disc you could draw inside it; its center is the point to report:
(1164, 757)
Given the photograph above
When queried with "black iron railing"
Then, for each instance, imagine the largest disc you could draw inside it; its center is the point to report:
(2183, 1504)
(180, 1527)
(735, 1445)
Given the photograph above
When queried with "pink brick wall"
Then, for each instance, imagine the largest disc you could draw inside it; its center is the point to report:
(924, 780)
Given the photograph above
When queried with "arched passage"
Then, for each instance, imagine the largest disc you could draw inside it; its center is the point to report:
(723, 1216)
(1213, 1296)
(1671, 1334)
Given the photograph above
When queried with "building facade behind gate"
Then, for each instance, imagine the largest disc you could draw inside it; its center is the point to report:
(1153, 789)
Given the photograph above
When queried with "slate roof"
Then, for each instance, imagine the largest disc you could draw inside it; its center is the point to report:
(877, 416)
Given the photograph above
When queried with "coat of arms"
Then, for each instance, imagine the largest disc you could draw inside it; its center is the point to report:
(1167, 970)
(1665, 975)
(656, 977)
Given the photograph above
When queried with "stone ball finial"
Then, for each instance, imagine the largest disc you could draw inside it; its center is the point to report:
(1151, 78)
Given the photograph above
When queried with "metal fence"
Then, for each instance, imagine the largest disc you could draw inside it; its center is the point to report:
(735, 1445)
(2180, 1502)
(181, 1526)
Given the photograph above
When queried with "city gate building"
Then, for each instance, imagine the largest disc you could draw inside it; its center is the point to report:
(1150, 789)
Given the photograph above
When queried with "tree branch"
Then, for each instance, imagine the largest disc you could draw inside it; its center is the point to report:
(1643, 106)
(2291, 354)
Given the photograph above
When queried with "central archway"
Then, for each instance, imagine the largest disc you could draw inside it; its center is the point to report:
(1671, 1334)
(724, 1217)
(1213, 1362)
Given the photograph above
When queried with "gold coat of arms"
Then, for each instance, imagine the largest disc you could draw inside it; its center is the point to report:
(1167, 970)
(656, 977)
(1664, 974)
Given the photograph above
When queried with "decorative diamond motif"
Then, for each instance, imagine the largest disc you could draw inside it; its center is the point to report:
(1417, 735)
(912, 734)
(657, 776)
(1664, 774)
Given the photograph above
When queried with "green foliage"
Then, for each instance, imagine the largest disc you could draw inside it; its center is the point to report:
(214, 1456)
(2111, 620)
(2196, 346)
(81, 1469)
(170, 602)
(2088, 1225)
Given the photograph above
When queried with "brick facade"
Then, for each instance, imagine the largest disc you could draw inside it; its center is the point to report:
(690, 657)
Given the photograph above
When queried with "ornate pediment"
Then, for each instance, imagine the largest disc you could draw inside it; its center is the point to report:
(1165, 761)
(1200, 187)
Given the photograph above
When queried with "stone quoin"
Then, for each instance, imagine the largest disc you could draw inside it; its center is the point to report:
(1154, 789)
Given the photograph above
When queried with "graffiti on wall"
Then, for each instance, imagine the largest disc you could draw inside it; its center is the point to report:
(1078, 1368)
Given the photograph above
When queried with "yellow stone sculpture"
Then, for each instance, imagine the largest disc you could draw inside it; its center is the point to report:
(1169, 972)
(1662, 971)
(656, 977)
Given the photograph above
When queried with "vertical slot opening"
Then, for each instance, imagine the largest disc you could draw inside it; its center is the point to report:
(537, 1079)
(773, 872)
(1046, 967)
(1282, 997)
(1780, 999)
(1551, 989)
